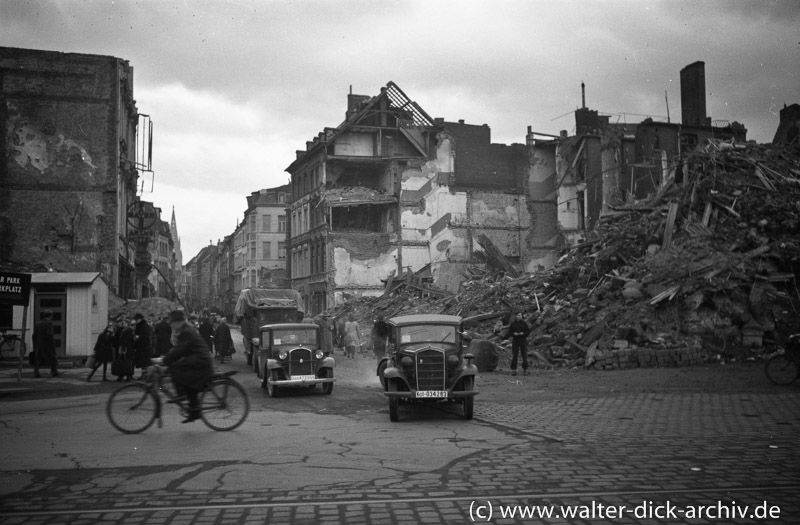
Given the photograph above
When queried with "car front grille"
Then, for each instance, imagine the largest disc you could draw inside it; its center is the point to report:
(298, 368)
(430, 369)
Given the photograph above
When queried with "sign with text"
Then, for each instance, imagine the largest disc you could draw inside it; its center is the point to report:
(15, 288)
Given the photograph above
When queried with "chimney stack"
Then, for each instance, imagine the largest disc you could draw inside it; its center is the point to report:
(693, 95)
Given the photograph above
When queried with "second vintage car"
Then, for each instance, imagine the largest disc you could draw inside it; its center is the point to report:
(291, 355)
(426, 362)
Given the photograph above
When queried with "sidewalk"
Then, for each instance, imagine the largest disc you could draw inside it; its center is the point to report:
(69, 382)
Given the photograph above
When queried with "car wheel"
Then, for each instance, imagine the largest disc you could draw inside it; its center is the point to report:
(327, 388)
(272, 388)
(394, 401)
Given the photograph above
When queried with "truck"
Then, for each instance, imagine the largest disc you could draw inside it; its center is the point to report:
(256, 307)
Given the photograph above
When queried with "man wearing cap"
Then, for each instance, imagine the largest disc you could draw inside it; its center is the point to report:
(189, 362)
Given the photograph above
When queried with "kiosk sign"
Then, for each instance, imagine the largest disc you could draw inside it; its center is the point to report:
(15, 288)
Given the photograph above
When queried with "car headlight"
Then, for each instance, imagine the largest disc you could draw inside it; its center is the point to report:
(319, 354)
(452, 361)
(256, 341)
(283, 354)
(407, 362)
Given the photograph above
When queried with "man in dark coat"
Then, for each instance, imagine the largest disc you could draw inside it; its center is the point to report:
(125, 342)
(142, 342)
(223, 342)
(519, 330)
(162, 334)
(44, 344)
(207, 332)
(189, 362)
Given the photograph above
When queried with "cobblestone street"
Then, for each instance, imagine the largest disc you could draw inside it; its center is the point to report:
(660, 455)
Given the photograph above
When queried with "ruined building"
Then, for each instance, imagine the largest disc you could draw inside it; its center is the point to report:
(606, 166)
(392, 190)
(70, 165)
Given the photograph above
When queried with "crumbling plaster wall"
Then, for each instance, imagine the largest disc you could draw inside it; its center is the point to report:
(361, 260)
(544, 236)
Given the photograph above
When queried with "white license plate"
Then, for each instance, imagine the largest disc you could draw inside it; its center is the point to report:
(431, 393)
(303, 378)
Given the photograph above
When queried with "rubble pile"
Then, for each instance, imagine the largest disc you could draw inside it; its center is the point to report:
(152, 308)
(704, 270)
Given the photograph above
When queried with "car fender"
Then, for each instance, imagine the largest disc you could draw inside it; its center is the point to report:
(383, 362)
(273, 364)
(327, 362)
(392, 372)
(468, 370)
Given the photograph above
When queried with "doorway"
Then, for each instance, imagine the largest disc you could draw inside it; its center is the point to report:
(55, 300)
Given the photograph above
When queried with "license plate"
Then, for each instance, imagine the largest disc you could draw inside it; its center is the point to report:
(431, 393)
(303, 378)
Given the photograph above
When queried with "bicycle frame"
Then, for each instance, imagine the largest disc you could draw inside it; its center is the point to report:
(154, 382)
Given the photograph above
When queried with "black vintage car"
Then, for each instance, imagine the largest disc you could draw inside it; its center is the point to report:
(290, 355)
(426, 362)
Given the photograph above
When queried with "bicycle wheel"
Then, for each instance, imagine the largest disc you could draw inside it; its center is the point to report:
(224, 405)
(132, 408)
(781, 369)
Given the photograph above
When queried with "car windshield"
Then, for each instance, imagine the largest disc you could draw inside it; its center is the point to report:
(294, 337)
(428, 333)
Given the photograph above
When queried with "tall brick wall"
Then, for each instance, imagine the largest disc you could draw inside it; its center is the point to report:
(59, 169)
(481, 164)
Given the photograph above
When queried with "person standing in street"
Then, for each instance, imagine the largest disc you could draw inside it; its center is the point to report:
(162, 333)
(519, 330)
(103, 351)
(207, 332)
(44, 344)
(380, 332)
(189, 362)
(142, 343)
(223, 342)
(125, 349)
(352, 338)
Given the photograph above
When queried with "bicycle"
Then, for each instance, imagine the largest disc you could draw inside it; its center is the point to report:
(11, 348)
(133, 408)
(784, 368)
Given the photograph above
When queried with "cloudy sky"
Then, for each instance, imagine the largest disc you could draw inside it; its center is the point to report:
(235, 87)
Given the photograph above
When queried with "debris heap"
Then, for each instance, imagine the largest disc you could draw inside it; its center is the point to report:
(706, 269)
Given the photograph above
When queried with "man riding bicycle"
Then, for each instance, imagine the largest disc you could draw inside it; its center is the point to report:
(189, 362)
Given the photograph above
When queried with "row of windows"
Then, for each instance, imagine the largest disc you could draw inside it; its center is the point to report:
(266, 224)
(303, 183)
(307, 218)
(308, 259)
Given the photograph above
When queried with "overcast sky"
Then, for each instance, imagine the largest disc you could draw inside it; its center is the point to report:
(235, 87)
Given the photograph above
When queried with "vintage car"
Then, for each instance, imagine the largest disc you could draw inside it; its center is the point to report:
(425, 362)
(291, 355)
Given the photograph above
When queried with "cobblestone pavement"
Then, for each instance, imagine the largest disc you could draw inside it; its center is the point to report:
(629, 458)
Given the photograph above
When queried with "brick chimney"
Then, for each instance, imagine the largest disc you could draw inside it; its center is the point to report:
(693, 95)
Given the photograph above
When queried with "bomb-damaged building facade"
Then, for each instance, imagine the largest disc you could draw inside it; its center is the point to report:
(392, 190)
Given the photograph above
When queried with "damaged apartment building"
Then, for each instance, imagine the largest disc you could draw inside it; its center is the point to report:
(392, 190)
(606, 166)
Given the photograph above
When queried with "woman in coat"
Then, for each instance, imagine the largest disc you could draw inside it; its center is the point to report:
(103, 351)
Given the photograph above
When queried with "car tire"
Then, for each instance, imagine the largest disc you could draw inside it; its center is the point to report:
(327, 388)
(394, 402)
(468, 386)
(272, 389)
